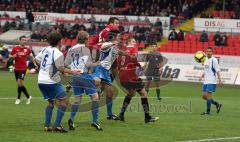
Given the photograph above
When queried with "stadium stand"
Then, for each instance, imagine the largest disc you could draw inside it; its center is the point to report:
(144, 34)
(192, 43)
(231, 10)
(123, 7)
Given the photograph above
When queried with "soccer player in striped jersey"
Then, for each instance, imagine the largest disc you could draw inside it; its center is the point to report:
(210, 75)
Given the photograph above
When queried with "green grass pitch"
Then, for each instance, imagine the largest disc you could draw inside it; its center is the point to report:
(179, 114)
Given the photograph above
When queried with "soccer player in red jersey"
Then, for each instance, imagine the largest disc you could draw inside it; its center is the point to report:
(96, 41)
(129, 72)
(19, 54)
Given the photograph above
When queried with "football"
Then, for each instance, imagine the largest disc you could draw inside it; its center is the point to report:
(200, 56)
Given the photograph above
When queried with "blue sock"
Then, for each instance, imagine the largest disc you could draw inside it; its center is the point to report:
(209, 102)
(60, 113)
(48, 115)
(109, 106)
(214, 102)
(95, 109)
(74, 109)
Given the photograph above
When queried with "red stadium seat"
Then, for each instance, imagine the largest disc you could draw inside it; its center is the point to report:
(181, 50)
(212, 44)
(141, 45)
(63, 41)
(194, 44)
(175, 44)
(205, 44)
(188, 50)
(68, 42)
(194, 50)
(194, 37)
(187, 46)
(74, 42)
(211, 36)
(181, 44)
(187, 43)
(187, 36)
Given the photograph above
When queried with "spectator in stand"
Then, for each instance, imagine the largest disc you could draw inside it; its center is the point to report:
(203, 15)
(173, 35)
(217, 38)
(158, 25)
(152, 38)
(204, 37)
(30, 18)
(180, 35)
(4, 57)
(224, 41)
(5, 15)
(36, 36)
(6, 26)
(219, 5)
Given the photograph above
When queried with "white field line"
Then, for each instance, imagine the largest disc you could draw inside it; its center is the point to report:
(214, 139)
(12, 98)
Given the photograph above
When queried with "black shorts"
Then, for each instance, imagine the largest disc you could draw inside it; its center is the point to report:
(20, 75)
(153, 78)
(153, 75)
(136, 85)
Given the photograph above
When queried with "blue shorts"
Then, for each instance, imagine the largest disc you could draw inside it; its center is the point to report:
(103, 74)
(209, 88)
(83, 83)
(52, 91)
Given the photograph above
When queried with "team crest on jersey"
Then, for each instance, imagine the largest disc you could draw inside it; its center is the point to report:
(24, 50)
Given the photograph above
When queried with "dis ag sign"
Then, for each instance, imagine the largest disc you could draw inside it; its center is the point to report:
(219, 24)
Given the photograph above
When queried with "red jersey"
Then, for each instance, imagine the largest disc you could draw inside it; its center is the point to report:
(127, 65)
(97, 40)
(21, 57)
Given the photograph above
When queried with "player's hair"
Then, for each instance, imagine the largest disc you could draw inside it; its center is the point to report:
(20, 38)
(111, 35)
(209, 48)
(129, 39)
(82, 37)
(154, 43)
(54, 38)
(112, 19)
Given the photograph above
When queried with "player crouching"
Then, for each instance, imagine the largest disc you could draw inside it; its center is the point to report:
(51, 61)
